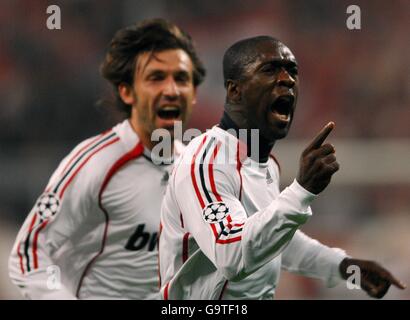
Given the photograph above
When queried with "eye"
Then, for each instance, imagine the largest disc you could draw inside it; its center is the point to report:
(182, 77)
(156, 76)
(269, 69)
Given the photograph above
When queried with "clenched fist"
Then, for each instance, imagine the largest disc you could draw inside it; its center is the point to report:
(318, 163)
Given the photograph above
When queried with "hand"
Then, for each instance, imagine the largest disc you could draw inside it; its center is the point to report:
(374, 279)
(318, 163)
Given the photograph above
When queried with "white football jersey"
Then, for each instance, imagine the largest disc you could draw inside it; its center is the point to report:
(93, 232)
(227, 230)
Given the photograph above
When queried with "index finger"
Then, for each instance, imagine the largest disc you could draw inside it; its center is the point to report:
(321, 136)
(395, 282)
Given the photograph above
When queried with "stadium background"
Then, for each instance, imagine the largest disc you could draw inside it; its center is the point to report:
(49, 86)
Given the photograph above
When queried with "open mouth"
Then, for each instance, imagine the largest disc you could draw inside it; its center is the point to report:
(282, 107)
(169, 112)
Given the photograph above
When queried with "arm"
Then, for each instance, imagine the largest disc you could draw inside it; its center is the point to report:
(310, 258)
(55, 217)
(207, 195)
(237, 244)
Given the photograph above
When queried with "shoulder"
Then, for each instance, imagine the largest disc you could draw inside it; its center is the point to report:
(97, 153)
(179, 147)
(90, 161)
(215, 150)
(215, 142)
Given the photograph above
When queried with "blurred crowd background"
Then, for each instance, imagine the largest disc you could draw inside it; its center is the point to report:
(51, 93)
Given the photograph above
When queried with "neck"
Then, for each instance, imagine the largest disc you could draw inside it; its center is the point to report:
(257, 149)
(164, 150)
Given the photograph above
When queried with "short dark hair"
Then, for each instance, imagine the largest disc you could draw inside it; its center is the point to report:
(152, 35)
(240, 54)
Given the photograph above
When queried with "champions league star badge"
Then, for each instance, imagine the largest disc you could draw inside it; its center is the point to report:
(48, 205)
(215, 212)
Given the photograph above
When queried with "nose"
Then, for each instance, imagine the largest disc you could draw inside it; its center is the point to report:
(171, 90)
(285, 79)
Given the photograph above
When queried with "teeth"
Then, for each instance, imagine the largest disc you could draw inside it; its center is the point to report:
(169, 112)
(169, 108)
(282, 117)
(282, 106)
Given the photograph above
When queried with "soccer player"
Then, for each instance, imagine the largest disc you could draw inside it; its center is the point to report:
(92, 234)
(226, 229)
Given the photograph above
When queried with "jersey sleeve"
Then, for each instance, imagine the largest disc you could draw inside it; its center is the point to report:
(308, 257)
(54, 219)
(208, 192)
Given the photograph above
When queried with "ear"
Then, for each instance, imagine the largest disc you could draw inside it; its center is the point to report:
(126, 94)
(194, 98)
(233, 91)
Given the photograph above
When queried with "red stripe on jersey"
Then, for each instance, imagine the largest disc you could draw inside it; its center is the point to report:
(158, 265)
(20, 258)
(26, 245)
(35, 243)
(229, 225)
(185, 247)
(33, 221)
(219, 198)
(229, 240)
(221, 240)
(229, 218)
(166, 292)
(223, 290)
(198, 194)
(133, 154)
(238, 168)
(211, 172)
(84, 162)
(83, 148)
(238, 224)
(43, 225)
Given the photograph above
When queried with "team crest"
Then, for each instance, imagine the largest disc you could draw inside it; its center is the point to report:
(48, 205)
(215, 212)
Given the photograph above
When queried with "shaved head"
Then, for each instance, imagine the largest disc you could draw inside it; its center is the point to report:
(241, 54)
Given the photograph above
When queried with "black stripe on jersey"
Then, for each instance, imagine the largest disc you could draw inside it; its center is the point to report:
(80, 157)
(235, 231)
(26, 246)
(163, 163)
(27, 242)
(222, 226)
(230, 231)
(224, 233)
(201, 169)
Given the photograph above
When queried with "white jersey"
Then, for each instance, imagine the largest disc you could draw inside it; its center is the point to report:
(93, 232)
(227, 230)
